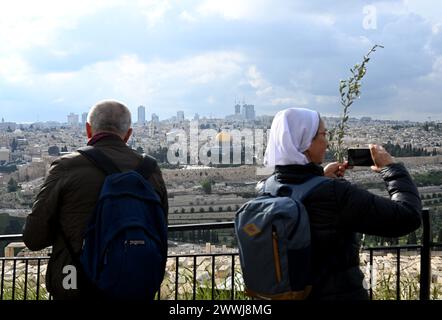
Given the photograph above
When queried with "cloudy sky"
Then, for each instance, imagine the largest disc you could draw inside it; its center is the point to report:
(199, 56)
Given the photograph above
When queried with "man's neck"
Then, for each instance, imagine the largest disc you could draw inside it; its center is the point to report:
(102, 135)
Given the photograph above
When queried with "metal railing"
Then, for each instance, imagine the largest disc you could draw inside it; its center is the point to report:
(424, 280)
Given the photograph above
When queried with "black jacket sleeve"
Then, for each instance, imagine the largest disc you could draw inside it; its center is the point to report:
(160, 187)
(39, 230)
(364, 212)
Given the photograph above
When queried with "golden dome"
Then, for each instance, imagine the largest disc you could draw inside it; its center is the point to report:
(222, 137)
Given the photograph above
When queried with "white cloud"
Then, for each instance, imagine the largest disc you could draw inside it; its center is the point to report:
(290, 102)
(324, 19)
(24, 24)
(186, 16)
(130, 79)
(257, 81)
(233, 9)
(427, 9)
(154, 10)
(15, 70)
(326, 100)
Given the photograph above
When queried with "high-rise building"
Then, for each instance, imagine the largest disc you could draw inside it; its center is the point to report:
(180, 116)
(141, 115)
(196, 116)
(84, 118)
(237, 109)
(73, 119)
(155, 119)
(248, 112)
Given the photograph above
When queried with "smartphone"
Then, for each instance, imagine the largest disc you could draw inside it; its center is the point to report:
(359, 157)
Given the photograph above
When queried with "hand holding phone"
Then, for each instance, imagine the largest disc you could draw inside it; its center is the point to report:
(380, 156)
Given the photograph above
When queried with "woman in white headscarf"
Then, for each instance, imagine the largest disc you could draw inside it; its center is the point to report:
(337, 209)
(298, 136)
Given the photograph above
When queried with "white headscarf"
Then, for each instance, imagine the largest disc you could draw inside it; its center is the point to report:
(291, 134)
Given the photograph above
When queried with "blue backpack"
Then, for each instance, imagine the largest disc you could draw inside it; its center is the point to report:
(273, 233)
(125, 244)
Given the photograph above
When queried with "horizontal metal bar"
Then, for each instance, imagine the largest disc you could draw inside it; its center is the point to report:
(393, 248)
(24, 258)
(201, 226)
(173, 227)
(8, 237)
(203, 255)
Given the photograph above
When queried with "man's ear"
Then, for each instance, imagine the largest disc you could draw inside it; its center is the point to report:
(128, 134)
(88, 130)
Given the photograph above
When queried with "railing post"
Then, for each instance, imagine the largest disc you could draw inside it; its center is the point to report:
(425, 277)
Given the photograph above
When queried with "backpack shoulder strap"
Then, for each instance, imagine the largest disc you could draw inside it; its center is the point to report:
(147, 167)
(295, 191)
(99, 159)
(271, 186)
(301, 191)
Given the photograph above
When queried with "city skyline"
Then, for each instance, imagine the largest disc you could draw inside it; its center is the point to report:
(228, 116)
(199, 56)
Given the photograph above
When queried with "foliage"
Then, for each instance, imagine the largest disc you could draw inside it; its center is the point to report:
(19, 290)
(14, 144)
(430, 178)
(140, 150)
(206, 184)
(406, 151)
(349, 91)
(12, 185)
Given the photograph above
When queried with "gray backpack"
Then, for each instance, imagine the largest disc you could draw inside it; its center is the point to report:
(273, 233)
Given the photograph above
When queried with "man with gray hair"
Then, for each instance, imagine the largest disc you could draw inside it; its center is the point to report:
(71, 190)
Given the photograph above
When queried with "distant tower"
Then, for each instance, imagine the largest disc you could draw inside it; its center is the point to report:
(141, 115)
(237, 108)
(84, 118)
(180, 116)
(248, 112)
(73, 119)
(155, 119)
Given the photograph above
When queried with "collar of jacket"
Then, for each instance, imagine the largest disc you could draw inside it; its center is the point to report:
(101, 137)
(296, 173)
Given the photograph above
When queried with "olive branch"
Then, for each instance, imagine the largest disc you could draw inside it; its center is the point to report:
(349, 90)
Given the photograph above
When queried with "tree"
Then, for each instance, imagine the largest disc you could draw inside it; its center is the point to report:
(140, 150)
(14, 145)
(412, 239)
(54, 151)
(349, 91)
(12, 185)
(207, 186)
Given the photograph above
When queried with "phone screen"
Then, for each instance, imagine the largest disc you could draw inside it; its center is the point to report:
(360, 157)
